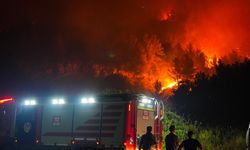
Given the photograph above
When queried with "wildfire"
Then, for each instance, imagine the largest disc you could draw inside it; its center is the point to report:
(146, 49)
(170, 86)
(212, 62)
(167, 68)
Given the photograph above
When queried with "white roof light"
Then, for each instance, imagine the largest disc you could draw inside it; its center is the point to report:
(84, 100)
(32, 102)
(54, 101)
(90, 100)
(29, 102)
(59, 101)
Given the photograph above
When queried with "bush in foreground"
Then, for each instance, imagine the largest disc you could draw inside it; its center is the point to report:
(212, 138)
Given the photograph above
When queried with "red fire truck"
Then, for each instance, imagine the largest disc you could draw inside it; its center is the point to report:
(114, 121)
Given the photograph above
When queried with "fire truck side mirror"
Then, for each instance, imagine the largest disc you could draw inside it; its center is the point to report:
(156, 109)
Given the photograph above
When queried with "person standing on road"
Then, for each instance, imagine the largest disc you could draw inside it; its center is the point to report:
(190, 143)
(147, 140)
(171, 140)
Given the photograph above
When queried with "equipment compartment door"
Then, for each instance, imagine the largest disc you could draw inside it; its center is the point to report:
(26, 125)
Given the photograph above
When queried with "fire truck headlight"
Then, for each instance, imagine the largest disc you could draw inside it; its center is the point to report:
(30, 102)
(15, 140)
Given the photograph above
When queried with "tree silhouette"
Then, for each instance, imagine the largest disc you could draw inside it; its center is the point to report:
(221, 99)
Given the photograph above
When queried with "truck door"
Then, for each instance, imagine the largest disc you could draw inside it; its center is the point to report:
(7, 110)
(57, 124)
(145, 116)
(26, 125)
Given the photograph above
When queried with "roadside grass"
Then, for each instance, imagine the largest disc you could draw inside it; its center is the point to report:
(212, 138)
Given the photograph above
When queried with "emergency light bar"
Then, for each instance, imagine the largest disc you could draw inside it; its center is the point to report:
(146, 103)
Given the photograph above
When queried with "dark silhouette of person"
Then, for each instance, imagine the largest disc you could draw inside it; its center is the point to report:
(147, 140)
(190, 143)
(171, 140)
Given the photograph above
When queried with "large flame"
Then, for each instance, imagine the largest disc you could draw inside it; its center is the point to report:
(169, 85)
(157, 64)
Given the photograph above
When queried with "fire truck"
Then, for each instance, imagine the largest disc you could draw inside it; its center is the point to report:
(113, 121)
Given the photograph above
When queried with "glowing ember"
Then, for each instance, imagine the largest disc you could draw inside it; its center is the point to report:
(212, 62)
(165, 15)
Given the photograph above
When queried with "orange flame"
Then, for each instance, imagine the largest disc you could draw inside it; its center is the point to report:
(170, 85)
(212, 62)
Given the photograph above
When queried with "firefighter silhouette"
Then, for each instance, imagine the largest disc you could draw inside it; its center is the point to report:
(172, 140)
(190, 143)
(147, 140)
